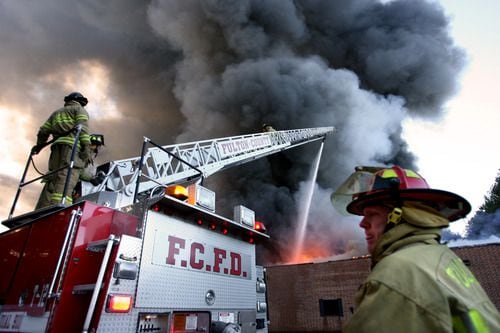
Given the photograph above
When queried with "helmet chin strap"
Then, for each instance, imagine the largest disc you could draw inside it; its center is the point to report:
(394, 216)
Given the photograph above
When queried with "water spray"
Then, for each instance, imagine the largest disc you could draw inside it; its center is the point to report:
(305, 207)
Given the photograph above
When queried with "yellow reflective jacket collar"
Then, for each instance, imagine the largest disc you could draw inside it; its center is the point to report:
(401, 236)
(423, 216)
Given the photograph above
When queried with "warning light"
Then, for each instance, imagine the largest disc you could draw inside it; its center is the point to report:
(199, 222)
(212, 226)
(244, 216)
(201, 196)
(119, 303)
(224, 231)
(251, 240)
(177, 191)
(259, 226)
(156, 208)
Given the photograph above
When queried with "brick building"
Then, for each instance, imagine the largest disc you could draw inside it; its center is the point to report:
(319, 297)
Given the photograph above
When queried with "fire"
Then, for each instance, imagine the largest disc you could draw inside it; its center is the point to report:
(311, 252)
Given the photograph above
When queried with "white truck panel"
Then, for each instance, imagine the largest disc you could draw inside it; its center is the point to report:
(182, 262)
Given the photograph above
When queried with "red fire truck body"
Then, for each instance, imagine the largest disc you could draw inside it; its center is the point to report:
(32, 252)
(189, 268)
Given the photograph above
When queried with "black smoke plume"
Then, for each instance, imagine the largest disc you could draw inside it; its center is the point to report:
(191, 70)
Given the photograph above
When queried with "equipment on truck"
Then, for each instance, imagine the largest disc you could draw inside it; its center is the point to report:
(145, 250)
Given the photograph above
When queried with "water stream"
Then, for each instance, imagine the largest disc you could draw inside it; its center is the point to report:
(305, 207)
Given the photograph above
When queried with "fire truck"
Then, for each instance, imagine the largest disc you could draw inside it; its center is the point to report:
(145, 250)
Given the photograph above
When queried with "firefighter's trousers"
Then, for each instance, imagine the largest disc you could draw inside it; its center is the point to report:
(52, 192)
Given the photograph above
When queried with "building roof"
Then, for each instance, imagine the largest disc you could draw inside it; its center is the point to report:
(473, 242)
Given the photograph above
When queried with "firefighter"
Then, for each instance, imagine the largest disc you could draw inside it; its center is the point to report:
(416, 284)
(61, 126)
(268, 128)
(88, 173)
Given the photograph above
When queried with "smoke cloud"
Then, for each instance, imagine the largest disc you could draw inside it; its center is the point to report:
(483, 225)
(179, 71)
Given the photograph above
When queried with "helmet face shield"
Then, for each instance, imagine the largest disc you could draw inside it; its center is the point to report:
(358, 182)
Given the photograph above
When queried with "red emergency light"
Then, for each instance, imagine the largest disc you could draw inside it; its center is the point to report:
(259, 226)
(119, 303)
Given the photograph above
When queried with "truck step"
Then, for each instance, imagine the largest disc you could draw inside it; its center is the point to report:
(97, 246)
(83, 289)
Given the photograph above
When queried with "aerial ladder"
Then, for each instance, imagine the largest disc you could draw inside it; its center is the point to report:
(129, 179)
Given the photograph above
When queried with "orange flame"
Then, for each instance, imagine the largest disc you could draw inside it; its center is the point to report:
(311, 252)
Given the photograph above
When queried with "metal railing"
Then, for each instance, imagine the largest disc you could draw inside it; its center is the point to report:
(142, 159)
(70, 166)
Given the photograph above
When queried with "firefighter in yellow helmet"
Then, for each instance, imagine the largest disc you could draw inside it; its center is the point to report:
(416, 283)
(60, 126)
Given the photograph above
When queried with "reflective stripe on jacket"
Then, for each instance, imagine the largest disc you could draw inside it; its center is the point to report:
(62, 121)
(418, 285)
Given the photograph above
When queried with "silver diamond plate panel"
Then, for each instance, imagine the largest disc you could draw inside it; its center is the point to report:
(261, 297)
(174, 283)
(122, 322)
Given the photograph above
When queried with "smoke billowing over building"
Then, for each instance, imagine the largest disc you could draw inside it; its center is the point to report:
(179, 71)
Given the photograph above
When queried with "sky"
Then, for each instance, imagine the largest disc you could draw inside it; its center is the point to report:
(460, 153)
(390, 79)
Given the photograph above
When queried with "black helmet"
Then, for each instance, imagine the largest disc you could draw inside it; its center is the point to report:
(76, 96)
(97, 139)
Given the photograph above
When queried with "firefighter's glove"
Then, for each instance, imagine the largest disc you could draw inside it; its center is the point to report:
(36, 149)
(98, 178)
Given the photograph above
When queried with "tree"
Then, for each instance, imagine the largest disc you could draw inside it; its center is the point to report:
(492, 203)
(486, 221)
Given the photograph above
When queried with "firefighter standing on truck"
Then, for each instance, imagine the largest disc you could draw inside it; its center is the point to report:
(416, 283)
(61, 126)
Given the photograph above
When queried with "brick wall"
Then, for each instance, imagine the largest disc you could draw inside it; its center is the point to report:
(483, 261)
(294, 291)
